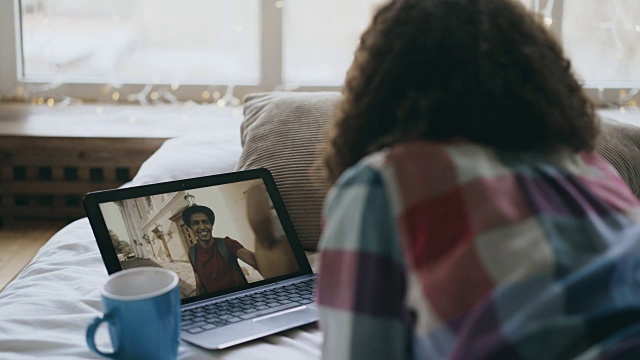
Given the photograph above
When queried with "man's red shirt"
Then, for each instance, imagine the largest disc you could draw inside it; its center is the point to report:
(214, 271)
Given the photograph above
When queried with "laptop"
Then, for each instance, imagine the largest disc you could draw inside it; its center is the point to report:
(243, 272)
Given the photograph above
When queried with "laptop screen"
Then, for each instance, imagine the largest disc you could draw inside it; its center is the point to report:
(217, 238)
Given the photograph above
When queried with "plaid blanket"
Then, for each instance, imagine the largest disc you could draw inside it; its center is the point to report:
(453, 250)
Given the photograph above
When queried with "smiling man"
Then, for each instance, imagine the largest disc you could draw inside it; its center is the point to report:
(214, 260)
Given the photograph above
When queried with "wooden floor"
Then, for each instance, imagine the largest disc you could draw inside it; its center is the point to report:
(19, 243)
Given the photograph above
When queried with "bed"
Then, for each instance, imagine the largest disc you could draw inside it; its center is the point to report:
(44, 312)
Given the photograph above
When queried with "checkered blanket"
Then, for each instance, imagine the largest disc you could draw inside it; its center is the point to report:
(453, 250)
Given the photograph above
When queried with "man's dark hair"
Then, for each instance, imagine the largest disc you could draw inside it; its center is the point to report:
(195, 209)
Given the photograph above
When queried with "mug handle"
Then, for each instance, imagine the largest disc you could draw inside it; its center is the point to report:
(91, 335)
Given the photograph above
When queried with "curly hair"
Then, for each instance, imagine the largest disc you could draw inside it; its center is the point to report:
(486, 71)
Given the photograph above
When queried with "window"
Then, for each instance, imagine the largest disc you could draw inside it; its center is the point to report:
(149, 203)
(164, 50)
(137, 41)
(117, 50)
(322, 56)
(603, 40)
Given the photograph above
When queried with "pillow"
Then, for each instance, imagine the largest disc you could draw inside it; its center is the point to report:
(283, 132)
(619, 143)
(188, 156)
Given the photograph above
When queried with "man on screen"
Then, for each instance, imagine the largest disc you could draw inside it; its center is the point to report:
(214, 260)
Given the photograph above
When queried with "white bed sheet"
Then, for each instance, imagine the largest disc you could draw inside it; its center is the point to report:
(45, 310)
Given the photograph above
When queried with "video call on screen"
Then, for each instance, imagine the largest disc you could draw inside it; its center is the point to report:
(150, 231)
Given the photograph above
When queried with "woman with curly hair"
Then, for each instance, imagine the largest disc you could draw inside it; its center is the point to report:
(468, 217)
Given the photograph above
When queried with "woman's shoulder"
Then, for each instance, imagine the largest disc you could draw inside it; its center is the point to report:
(418, 170)
(439, 162)
(468, 160)
(424, 153)
(440, 166)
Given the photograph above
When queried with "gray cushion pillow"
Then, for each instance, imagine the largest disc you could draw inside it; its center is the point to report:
(283, 132)
(619, 143)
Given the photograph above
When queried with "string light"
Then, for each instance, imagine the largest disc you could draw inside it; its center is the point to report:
(279, 4)
(206, 94)
(115, 96)
(51, 102)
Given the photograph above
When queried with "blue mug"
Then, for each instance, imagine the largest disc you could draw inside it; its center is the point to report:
(142, 310)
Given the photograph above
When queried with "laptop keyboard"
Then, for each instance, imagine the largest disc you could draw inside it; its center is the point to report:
(212, 316)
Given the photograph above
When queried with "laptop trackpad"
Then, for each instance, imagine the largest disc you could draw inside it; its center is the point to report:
(291, 318)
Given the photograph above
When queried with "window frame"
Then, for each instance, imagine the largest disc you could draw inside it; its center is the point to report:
(9, 67)
(12, 85)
